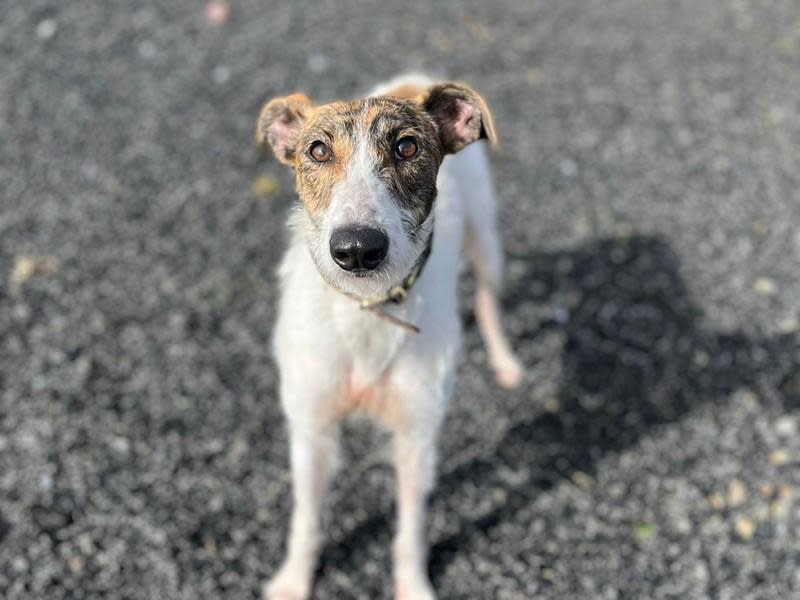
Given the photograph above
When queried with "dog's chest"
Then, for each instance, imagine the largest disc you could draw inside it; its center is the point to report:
(369, 342)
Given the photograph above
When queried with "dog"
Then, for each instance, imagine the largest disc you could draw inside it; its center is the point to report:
(391, 186)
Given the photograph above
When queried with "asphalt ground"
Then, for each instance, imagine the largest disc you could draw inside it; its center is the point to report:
(649, 180)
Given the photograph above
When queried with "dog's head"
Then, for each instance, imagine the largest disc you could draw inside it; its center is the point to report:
(366, 174)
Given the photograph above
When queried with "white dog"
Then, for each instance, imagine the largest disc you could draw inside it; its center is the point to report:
(369, 311)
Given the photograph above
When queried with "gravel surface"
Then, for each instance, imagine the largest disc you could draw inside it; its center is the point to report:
(650, 177)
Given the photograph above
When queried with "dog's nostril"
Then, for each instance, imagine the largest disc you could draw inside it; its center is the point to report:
(358, 248)
(373, 255)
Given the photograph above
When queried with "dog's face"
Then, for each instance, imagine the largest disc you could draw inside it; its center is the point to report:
(366, 174)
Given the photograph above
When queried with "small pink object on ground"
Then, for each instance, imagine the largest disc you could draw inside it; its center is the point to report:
(217, 12)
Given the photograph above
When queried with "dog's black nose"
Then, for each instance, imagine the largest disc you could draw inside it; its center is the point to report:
(357, 248)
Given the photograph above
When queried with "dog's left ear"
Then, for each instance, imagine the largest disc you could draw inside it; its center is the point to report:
(461, 114)
(279, 124)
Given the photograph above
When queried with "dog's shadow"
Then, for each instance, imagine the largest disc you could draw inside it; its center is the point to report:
(634, 357)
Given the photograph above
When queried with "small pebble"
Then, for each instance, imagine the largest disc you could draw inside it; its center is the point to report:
(561, 315)
(592, 402)
(685, 137)
(499, 495)
(534, 76)
(263, 515)
(779, 457)
(702, 358)
(19, 564)
(786, 426)
(221, 74)
(737, 493)
(76, 564)
(318, 63)
(120, 445)
(46, 29)
(147, 50)
(790, 324)
(552, 405)
(46, 481)
(441, 41)
(218, 12)
(780, 506)
(760, 227)
(216, 503)
(716, 500)
(644, 531)
(745, 528)
(238, 448)
(765, 286)
(582, 480)
(568, 167)
(26, 267)
(684, 526)
(21, 313)
(265, 186)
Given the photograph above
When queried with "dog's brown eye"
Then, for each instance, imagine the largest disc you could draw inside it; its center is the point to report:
(405, 148)
(320, 152)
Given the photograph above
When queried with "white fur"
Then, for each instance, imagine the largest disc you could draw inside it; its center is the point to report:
(326, 345)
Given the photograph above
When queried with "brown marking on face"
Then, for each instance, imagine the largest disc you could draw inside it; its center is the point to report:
(412, 181)
(332, 125)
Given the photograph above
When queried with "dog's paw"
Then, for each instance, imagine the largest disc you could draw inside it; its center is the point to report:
(416, 588)
(508, 371)
(286, 585)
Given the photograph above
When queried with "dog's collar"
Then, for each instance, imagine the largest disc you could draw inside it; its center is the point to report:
(399, 293)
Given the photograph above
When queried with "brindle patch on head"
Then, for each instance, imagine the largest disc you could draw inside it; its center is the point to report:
(412, 181)
(378, 123)
(334, 125)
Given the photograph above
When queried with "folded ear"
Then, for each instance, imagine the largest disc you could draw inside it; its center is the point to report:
(279, 124)
(460, 113)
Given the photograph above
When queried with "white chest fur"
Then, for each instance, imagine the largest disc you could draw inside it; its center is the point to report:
(370, 343)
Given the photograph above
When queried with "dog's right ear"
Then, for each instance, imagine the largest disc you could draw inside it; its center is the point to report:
(279, 124)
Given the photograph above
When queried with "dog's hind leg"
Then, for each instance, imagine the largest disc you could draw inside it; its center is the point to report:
(507, 369)
(486, 256)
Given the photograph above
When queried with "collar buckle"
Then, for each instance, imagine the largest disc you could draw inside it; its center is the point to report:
(398, 294)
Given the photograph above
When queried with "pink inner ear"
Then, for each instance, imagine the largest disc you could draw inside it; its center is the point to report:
(463, 121)
(282, 135)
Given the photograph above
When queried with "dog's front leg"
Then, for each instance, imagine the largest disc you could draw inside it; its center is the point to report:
(314, 452)
(415, 461)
